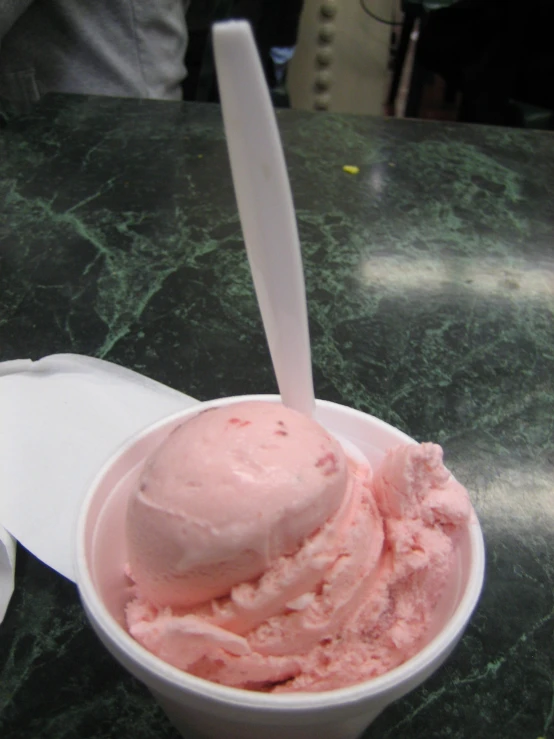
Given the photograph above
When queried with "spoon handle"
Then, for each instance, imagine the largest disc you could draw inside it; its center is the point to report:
(266, 210)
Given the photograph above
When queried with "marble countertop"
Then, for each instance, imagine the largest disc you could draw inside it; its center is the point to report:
(430, 280)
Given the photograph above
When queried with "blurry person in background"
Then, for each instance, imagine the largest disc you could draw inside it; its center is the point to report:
(275, 25)
(128, 48)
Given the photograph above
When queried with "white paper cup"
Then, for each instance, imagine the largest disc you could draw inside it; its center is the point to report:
(218, 712)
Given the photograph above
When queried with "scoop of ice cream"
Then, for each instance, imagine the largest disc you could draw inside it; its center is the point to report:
(296, 603)
(228, 493)
(355, 600)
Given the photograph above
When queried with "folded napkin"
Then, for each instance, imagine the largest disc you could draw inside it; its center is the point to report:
(7, 570)
(60, 419)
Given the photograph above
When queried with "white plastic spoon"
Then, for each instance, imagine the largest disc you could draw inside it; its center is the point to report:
(266, 210)
(267, 214)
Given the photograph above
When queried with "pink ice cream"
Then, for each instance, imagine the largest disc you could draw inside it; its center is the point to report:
(264, 559)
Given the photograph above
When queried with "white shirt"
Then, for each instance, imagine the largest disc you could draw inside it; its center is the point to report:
(129, 48)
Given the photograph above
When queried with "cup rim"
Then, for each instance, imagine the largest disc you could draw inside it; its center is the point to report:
(253, 700)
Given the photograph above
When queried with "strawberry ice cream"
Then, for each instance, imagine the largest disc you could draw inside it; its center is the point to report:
(264, 559)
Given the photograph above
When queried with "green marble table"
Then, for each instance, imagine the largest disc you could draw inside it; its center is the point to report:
(430, 278)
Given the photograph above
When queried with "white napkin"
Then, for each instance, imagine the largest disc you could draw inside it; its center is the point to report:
(60, 419)
(7, 570)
